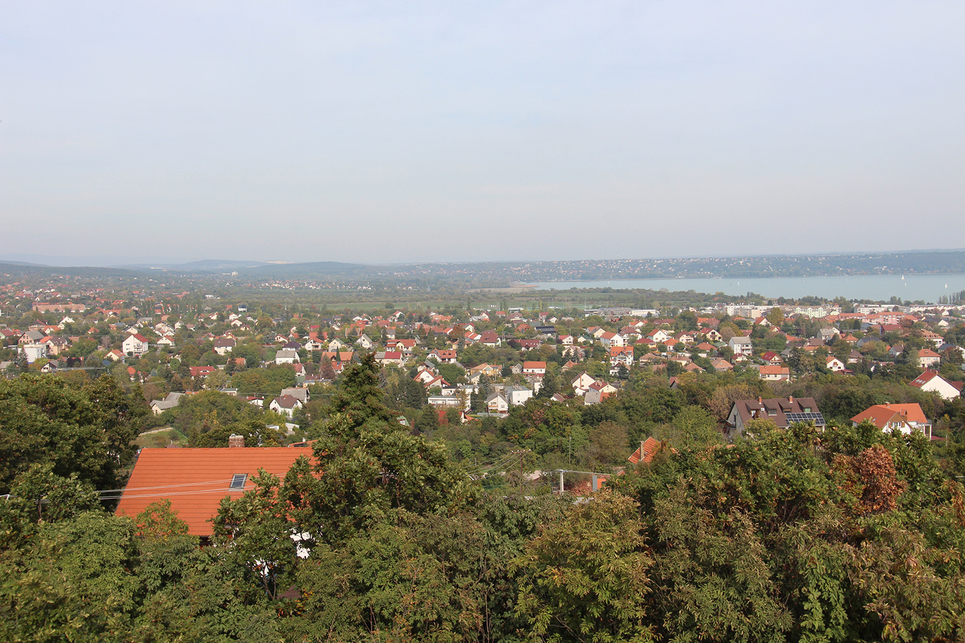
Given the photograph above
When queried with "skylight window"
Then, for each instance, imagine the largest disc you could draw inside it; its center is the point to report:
(238, 481)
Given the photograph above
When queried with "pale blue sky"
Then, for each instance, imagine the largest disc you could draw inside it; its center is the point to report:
(416, 131)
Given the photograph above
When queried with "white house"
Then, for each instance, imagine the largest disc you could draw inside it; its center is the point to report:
(517, 395)
(741, 345)
(286, 356)
(285, 404)
(835, 365)
(497, 403)
(932, 382)
(581, 384)
(224, 345)
(135, 345)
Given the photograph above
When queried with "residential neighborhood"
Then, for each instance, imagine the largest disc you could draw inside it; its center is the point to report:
(226, 404)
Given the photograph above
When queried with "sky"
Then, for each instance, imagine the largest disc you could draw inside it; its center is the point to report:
(415, 131)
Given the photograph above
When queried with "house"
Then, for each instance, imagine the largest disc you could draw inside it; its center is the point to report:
(932, 382)
(201, 371)
(426, 375)
(286, 405)
(704, 349)
(721, 365)
(31, 337)
(934, 338)
(783, 412)
(488, 370)
(195, 480)
(581, 383)
(928, 358)
(612, 339)
(135, 345)
(224, 345)
(835, 365)
(775, 373)
(517, 395)
(528, 344)
(621, 355)
(32, 352)
(443, 356)
(169, 402)
(390, 357)
(658, 336)
(497, 403)
(534, 369)
(903, 417)
(286, 356)
(741, 345)
(711, 334)
(56, 344)
(365, 343)
(598, 392)
(491, 339)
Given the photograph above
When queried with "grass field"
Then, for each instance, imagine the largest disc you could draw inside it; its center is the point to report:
(160, 438)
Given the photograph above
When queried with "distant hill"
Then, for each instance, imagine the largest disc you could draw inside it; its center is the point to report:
(15, 268)
(308, 270)
(205, 265)
(495, 273)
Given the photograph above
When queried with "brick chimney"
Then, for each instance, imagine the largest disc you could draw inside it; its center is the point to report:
(236, 441)
(790, 398)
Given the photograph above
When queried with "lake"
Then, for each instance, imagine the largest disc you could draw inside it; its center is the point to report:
(927, 288)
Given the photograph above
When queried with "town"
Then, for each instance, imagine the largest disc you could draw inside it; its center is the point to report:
(453, 367)
(294, 434)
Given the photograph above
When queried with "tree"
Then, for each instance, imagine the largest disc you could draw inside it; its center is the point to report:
(609, 445)
(586, 576)
(776, 316)
(50, 585)
(84, 431)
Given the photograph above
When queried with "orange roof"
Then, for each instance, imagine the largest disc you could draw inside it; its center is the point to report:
(882, 414)
(645, 451)
(195, 480)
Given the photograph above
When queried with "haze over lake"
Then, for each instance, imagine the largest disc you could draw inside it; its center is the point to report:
(927, 288)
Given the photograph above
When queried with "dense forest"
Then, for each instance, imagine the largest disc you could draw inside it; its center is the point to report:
(849, 534)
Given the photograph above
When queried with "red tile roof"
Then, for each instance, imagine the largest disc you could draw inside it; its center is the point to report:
(645, 451)
(195, 480)
(881, 414)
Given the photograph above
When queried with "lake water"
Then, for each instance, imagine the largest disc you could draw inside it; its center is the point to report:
(927, 288)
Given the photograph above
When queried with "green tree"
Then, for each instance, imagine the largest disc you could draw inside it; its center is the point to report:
(586, 577)
(82, 431)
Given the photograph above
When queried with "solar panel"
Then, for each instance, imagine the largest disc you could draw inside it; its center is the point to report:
(817, 418)
(238, 481)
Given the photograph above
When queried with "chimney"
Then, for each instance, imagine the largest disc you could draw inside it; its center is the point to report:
(760, 400)
(236, 441)
(790, 398)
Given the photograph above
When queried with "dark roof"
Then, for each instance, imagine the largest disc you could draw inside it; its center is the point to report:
(783, 411)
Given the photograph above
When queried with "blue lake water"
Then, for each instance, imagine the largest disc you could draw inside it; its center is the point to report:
(927, 288)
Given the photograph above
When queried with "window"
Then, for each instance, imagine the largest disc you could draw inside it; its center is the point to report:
(238, 481)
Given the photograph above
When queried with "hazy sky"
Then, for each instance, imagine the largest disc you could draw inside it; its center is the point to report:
(459, 131)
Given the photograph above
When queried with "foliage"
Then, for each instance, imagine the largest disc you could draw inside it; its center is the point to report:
(86, 431)
(585, 577)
